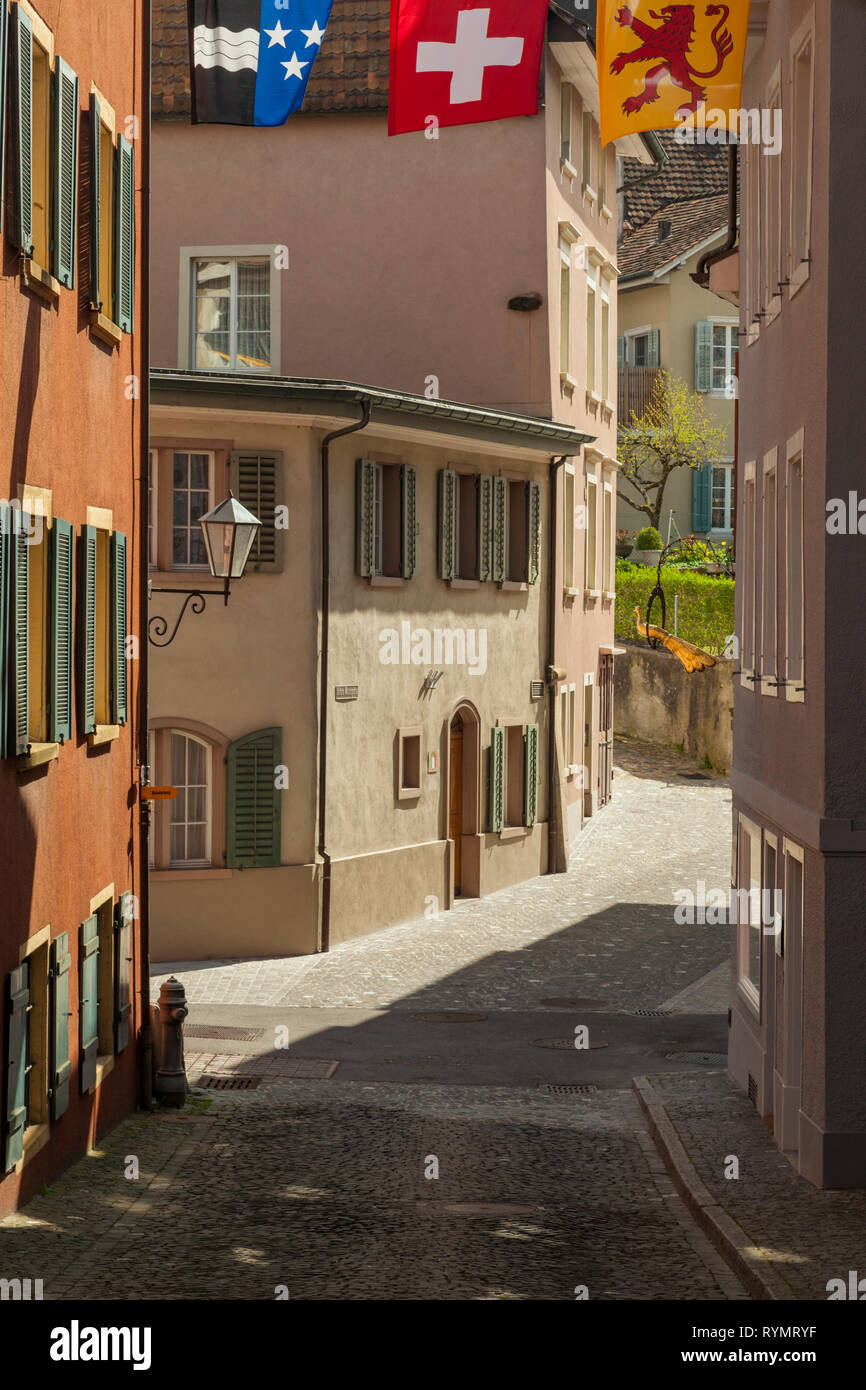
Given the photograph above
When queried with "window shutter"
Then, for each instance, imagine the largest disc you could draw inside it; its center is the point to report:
(484, 485)
(530, 784)
(123, 920)
(21, 638)
(620, 353)
(497, 779)
(256, 479)
(500, 529)
(23, 135)
(533, 531)
(118, 628)
(408, 519)
(61, 1067)
(97, 291)
(365, 517)
(6, 545)
(65, 172)
(702, 497)
(447, 523)
(61, 631)
(17, 1060)
(653, 348)
(87, 645)
(88, 1003)
(253, 801)
(703, 356)
(124, 237)
(4, 35)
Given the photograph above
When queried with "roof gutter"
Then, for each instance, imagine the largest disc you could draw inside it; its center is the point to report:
(701, 275)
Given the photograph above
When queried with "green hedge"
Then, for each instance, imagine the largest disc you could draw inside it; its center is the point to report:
(706, 605)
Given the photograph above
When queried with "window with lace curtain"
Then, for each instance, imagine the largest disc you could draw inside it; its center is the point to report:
(231, 310)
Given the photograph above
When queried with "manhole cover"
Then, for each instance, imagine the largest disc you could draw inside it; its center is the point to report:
(703, 1059)
(563, 1044)
(694, 776)
(229, 1083)
(449, 1016)
(650, 1013)
(215, 1030)
(578, 1002)
(589, 1089)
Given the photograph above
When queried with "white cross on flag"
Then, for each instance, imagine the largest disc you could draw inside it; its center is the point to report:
(460, 63)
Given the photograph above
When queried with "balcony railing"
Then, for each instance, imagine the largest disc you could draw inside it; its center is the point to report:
(636, 385)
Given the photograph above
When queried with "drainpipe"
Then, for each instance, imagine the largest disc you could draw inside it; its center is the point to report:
(323, 691)
(144, 811)
(701, 275)
(552, 799)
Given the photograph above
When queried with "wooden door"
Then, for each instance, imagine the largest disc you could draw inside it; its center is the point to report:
(455, 804)
(605, 731)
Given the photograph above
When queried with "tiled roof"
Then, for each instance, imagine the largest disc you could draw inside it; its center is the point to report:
(691, 222)
(351, 72)
(691, 171)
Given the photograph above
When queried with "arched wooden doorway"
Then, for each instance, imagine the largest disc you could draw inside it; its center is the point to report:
(463, 800)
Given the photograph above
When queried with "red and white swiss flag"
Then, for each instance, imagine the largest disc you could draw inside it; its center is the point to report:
(462, 62)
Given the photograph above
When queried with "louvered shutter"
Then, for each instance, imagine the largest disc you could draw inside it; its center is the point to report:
(408, 519)
(530, 784)
(620, 353)
(65, 173)
(87, 644)
(365, 518)
(533, 531)
(653, 349)
(447, 523)
(88, 1003)
(17, 1063)
(4, 33)
(6, 544)
(497, 779)
(253, 801)
(21, 637)
(97, 290)
(23, 132)
(484, 506)
(61, 1067)
(124, 236)
(703, 356)
(118, 628)
(123, 928)
(702, 497)
(256, 479)
(61, 632)
(500, 530)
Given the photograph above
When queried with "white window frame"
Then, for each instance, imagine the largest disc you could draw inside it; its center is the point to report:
(206, 862)
(729, 465)
(754, 157)
(770, 575)
(746, 987)
(631, 335)
(592, 331)
(591, 552)
(153, 509)
(569, 558)
(608, 544)
(731, 347)
(566, 130)
(606, 374)
(795, 686)
(746, 566)
(211, 471)
(772, 219)
(186, 301)
(802, 42)
(587, 148)
(568, 728)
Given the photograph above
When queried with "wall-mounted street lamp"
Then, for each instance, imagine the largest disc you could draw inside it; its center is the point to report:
(229, 533)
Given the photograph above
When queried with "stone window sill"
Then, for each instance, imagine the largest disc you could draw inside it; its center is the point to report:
(102, 328)
(104, 1068)
(568, 382)
(464, 583)
(568, 169)
(103, 733)
(514, 832)
(34, 278)
(35, 1138)
(39, 753)
(175, 875)
(385, 581)
(517, 586)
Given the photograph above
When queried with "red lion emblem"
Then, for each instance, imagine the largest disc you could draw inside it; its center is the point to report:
(670, 41)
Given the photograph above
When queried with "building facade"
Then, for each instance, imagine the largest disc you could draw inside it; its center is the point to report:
(71, 950)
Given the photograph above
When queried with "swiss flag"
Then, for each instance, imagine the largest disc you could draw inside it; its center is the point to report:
(461, 62)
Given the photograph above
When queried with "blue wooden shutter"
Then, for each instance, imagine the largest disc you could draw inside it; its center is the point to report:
(123, 928)
(87, 644)
(447, 523)
(118, 627)
(703, 356)
(88, 1003)
(365, 518)
(61, 631)
(497, 779)
(484, 485)
(500, 530)
(256, 479)
(65, 173)
(61, 1067)
(21, 639)
(253, 838)
(408, 519)
(124, 240)
(23, 132)
(97, 290)
(533, 532)
(653, 348)
(4, 36)
(702, 497)
(17, 1063)
(530, 784)
(6, 546)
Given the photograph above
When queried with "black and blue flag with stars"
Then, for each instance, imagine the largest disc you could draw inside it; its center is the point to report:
(250, 60)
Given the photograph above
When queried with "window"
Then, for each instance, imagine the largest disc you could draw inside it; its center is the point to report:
(232, 314)
(190, 765)
(564, 309)
(517, 532)
(755, 161)
(101, 654)
(591, 534)
(802, 84)
(409, 764)
(768, 625)
(749, 912)
(565, 93)
(152, 503)
(638, 349)
(588, 142)
(773, 217)
(513, 776)
(605, 343)
(724, 356)
(723, 497)
(192, 497)
(568, 728)
(568, 505)
(28, 1050)
(590, 328)
(607, 577)
(489, 527)
(794, 573)
(747, 564)
(602, 174)
(112, 224)
(467, 526)
(385, 520)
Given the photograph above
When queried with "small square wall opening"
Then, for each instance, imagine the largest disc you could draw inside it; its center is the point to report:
(409, 763)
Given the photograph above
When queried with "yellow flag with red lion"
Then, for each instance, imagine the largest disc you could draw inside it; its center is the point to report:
(663, 66)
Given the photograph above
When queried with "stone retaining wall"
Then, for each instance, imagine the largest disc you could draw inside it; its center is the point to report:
(657, 700)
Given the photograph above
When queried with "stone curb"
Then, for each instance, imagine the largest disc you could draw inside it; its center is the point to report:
(752, 1265)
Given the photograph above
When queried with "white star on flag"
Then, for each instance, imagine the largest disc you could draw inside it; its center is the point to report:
(293, 69)
(314, 35)
(278, 35)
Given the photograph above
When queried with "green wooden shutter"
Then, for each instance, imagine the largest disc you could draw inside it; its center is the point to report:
(256, 479)
(4, 37)
(484, 506)
(65, 173)
(703, 356)
(124, 238)
(97, 290)
(17, 1063)
(253, 801)
(653, 348)
(21, 637)
(365, 517)
(61, 1067)
(408, 519)
(702, 497)
(533, 532)
(6, 546)
(447, 523)
(530, 783)
(60, 605)
(87, 644)
(23, 133)
(497, 779)
(620, 353)
(118, 627)
(123, 928)
(88, 1004)
(500, 530)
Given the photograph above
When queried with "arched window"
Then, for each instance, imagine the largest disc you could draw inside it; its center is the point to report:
(190, 763)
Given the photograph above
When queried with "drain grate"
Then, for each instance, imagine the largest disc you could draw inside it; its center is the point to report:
(578, 1002)
(553, 1089)
(216, 1030)
(563, 1044)
(703, 1059)
(228, 1083)
(650, 1013)
(450, 1016)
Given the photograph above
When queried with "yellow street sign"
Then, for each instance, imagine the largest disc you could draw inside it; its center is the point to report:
(158, 793)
